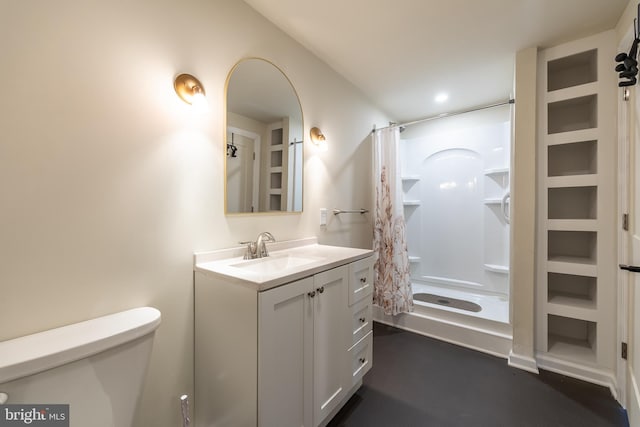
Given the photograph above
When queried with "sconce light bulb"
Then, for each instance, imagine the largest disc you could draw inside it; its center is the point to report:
(322, 144)
(199, 101)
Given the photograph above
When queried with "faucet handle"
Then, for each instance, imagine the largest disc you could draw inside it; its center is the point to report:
(251, 251)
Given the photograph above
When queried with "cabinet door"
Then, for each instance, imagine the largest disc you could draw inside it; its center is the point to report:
(285, 355)
(331, 331)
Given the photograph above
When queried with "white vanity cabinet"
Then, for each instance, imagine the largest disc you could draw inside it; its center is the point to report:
(306, 318)
(290, 355)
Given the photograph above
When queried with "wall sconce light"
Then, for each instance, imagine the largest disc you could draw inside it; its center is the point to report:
(189, 89)
(318, 138)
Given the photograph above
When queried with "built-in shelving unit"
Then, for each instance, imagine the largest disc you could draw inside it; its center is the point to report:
(575, 327)
(277, 173)
(496, 200)
(410, 189)
(277, 152)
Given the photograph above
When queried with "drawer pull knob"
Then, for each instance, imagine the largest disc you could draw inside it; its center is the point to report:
(312, 294)
(363, 279)
(321, 289)
(363, 360)
(362, 320)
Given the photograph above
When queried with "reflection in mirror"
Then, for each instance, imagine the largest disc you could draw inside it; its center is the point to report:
(264, 140)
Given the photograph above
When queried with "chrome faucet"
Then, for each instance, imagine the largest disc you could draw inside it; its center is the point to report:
(258, 249)
(261, 247)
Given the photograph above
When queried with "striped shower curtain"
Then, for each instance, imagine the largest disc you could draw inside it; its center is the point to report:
(392, 284)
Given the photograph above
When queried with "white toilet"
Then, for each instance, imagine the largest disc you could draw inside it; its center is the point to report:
(97, 367)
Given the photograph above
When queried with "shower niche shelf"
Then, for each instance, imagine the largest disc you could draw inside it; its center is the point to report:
(410, 178)
(411, 203)
(496, 171)
(492, 201)
(576, 177)
(494, 268)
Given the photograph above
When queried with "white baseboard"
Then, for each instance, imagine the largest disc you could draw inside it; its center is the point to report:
(633, 399)
(523, 362)
(575, 370)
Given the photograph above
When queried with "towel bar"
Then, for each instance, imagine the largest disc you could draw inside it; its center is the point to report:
(341, 211)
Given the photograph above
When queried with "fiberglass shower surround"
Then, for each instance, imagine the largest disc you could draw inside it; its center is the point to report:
(456, 196)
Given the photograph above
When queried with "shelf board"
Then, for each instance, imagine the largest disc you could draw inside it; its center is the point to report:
(572, 224)
(572, 309)
(411, 202)
(572, 92)
(414, 259)
(573, 136)
(573, 260)
(494, 268)
(492, 201)
(572, 265)
(561, 299)
(570, 348)
(277, 147)
(572, 181)
(497, 171)
(275, 191)
(411, 178)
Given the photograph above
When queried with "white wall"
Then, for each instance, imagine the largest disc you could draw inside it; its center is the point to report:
(523, 204)
(109, 182)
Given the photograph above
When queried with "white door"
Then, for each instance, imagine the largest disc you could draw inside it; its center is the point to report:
(331, 314)
(241, 188)
(629, 111)
(285, 349)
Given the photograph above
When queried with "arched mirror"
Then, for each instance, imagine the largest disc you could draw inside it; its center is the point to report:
(264, 140)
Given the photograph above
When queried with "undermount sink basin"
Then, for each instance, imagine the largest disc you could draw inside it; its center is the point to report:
(274, 263)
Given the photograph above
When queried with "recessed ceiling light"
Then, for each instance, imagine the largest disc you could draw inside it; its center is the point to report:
(441, 97)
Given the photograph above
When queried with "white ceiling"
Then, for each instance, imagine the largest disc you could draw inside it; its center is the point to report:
(402, 53)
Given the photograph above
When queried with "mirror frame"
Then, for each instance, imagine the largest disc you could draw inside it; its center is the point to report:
(224, 136)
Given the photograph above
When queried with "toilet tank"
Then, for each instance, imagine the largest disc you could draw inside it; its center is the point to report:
(97, 367)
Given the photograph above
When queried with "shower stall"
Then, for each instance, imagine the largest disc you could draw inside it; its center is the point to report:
(455, 179)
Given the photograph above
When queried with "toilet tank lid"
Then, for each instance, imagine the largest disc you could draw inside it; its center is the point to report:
(38, 352)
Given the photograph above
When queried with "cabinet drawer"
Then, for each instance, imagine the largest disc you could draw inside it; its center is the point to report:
(361, 322)
(360, 279)
(361, 358)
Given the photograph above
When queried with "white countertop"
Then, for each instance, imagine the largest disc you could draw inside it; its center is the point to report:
(319, 258)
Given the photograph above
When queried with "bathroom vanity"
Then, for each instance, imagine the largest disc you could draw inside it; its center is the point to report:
(283, 340)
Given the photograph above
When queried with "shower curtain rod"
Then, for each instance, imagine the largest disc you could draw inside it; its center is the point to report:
(443, 115)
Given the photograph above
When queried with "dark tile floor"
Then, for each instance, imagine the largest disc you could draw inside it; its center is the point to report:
(419, 381)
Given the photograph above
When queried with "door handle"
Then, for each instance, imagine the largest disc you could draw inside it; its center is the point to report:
(631, 268)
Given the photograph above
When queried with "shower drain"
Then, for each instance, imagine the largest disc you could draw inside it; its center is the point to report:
(449, 302)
